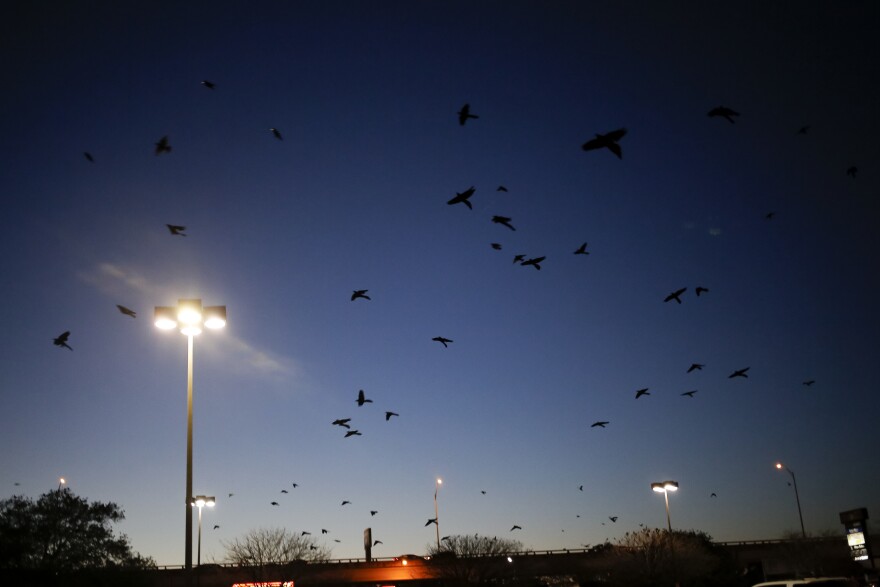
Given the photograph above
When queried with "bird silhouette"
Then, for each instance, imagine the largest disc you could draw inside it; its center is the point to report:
(345, 502)
(580, 487)
(176, 229)
(501, 188)
(852, 171)
(695, 367)
(535, 262)
(739, 373)
(127, 311)
(352, 433)
(582, 250)
(675, 295)
(464, 114)
(324, 530)
(713, 494)
(519, 258)
(360, 293)
(207, 84)
(803, 130)
(504, 220)
(463, 198)
(373, 512)
(361, 400)
(613, 518)
(770, 215)
(700, 290)
(483, 491)
(444, 341)
(336, 540)
(641, 392)
(599, 424)
(89, 157)
(724, 112)
(61, 340)
(690, 393)
(305, 533)
(496, 246)
(389, 414)
(231, 494)
(375, 542)
(809, 382)
(274, 503)
(342, 422)
(283, 491)
(431, 521)
(606, 141)
(276, 133)
(162, 146)
(295, 485)
(515, 527)
(444, 538)
(216, 526)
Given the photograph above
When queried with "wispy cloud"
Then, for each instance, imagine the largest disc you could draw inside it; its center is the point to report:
(117, 281)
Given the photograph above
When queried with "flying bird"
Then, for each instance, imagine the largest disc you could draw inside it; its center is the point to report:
(712, 494)
(519, 258)
(231, 494)
(89, 157)
(324, 530)
(342, 422)
(536, 262)
(463, 197)
(641, 392)
(162, 146)
(216, 526)
(675, 295)
(501, 188)
(464, 114)
(127, 311)
(276, 133)
(690, 393)
(274, 503)
(352, 433)
(600, 424)
(803, 130)
(295, 484)
(176, 229)
(770, 215)
(582, 250)
(373, 512)
(606, 141)
(361, 400)
(61, 340)
(305, 533)
(852, 171)
(695, 367)
(739, 373)
(360, 293)
(444, 341)
(346, 502)
(431, 521)
(375, 542)
(515, 527)
(580, 487)
(613, 518)
(496, 246)
(389, 414)
(809, 382)
(700, 290)
(283, 491)
(483, 491)
(207, 84)
(724, 112)
(503, 220)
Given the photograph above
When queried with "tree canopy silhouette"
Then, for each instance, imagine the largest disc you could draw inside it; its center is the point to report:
(62, 533)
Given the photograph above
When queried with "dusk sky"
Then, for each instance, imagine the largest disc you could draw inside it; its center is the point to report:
(774, 214)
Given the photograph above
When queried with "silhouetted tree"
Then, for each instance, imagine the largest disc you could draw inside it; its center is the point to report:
(474, 559)
(646, 558)
(64, 537)
(275, 553)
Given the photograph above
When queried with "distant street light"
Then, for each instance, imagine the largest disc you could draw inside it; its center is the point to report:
(665, 487)
(61, 482)
(189, 316)
(200, 502)
(436, 511)
(780, 466)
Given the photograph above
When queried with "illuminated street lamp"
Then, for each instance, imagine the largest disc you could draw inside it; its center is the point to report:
(665, 487)
(436, 511)
(189, 316)
(200, 502)
(61, 482)
(797, 498)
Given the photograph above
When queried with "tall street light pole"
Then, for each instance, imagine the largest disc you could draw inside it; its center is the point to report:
(436, 511)
(796, 496)
(189, 316)
(665, 487)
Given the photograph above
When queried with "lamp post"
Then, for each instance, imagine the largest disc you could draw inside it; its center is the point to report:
(200, 502)
(436, 511)
(189, 316)
(665, 487)
(796, 496)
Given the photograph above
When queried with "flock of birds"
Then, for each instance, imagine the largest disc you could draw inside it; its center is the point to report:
(610, 141)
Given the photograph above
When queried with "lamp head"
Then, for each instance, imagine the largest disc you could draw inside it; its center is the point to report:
(165, 317)
(215, 317)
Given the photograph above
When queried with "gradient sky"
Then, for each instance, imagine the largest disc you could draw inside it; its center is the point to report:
(365, 95)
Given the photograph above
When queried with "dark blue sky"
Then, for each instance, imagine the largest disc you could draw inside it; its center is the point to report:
(354, 197)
